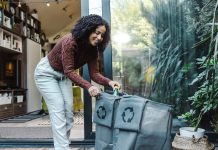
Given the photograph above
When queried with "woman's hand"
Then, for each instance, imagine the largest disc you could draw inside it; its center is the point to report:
(115, 85)
(94, 91)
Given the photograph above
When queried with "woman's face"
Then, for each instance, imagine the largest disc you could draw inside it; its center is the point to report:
(97, 36)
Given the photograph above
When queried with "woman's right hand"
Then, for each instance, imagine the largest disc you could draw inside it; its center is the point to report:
(94, 91)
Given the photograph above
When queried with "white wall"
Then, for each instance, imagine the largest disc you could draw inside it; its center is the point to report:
(33, 57)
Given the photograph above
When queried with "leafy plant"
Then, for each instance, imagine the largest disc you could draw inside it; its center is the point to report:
(215, 126)
(205, 99)
(189, 117)
(174, 58)
(127, 18)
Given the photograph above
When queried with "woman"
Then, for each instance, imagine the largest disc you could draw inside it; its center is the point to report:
(85, 44)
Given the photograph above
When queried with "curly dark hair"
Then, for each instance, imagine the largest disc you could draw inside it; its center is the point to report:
(87, 25)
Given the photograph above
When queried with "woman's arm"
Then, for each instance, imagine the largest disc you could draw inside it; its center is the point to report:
(98, 78)
(95, 74)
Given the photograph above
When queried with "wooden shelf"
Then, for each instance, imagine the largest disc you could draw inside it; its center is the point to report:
(10, 30)
(10, 51)
(20, 22)
(6, 111)
(14, 105)
(18, 28)
(10, 41)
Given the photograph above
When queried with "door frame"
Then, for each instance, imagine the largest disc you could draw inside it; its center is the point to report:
(88, 132)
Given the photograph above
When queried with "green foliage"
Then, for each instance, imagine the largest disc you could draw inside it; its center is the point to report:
(134, 77)
(173, 58)
(205, 99)
(189, 117)
(215, 126)
(176, 33)
(127, 17)
(199, 15)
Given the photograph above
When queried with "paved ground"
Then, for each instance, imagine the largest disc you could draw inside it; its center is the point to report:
(39, 128)
(78, 148)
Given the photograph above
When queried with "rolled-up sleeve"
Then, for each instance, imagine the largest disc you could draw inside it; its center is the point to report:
(95, 74)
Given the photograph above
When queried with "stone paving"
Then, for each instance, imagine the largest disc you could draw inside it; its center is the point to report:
(39, 128)
(78, 148)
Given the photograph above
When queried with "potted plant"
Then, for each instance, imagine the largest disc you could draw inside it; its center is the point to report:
(204, 100)
(190, 131)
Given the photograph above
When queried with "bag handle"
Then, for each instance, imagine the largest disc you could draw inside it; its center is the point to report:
(116, 92)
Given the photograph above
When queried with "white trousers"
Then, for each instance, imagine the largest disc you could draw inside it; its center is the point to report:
(56, 89)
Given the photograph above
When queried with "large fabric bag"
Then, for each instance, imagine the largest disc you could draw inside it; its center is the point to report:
(104, 117)
(131, 123)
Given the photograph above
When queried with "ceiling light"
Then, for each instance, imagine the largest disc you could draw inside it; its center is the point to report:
(48, 4)
(19, 4)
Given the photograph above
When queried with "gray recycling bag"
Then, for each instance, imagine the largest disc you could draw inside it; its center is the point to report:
(104, 117)
(135, 123)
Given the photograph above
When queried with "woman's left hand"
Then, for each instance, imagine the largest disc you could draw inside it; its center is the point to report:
(115, 85)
